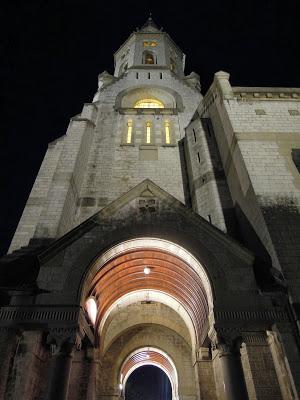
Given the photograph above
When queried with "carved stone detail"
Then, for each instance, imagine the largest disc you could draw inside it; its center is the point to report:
(64, 340)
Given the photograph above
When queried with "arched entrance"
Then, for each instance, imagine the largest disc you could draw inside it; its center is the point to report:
(141, 268)
(148, 382)
(152, 301)
(149, 356)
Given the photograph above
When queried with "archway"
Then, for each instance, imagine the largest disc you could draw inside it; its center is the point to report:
(148, 382)
(149, 356)
(123, 282)
(174, 277)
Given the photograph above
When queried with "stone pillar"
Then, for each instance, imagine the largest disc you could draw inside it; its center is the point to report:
(233, 376)
(222, 81)
(59, 371)
(261, 378)
(82, 378)
(204, 372)
(8, 344)
(91, 389)
(285, 353)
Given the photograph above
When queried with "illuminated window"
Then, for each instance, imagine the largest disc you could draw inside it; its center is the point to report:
(148, 103)
(167, 132)
(150, 44)
(148, 132)
(129, 132)
(148, 58)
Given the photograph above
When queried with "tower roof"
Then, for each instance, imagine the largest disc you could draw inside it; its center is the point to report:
(150, 26)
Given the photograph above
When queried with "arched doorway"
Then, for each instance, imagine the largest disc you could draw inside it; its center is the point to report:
(148, 383)
(152, 300)
(145, 357)
(139, 268)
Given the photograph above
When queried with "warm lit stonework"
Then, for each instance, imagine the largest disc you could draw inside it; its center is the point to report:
(163, 229)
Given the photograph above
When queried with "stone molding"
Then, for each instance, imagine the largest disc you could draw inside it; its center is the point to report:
(12, 315)
(266, 93)
(230, 340)
(62, 319)
(64, 340)
(149, 111)
(251, 315)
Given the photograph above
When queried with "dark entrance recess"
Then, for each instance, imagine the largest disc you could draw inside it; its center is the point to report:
(148, 383)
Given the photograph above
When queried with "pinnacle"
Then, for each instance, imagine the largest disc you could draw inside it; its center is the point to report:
(150, 25)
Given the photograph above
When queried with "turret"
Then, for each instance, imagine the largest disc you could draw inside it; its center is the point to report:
(149, 47)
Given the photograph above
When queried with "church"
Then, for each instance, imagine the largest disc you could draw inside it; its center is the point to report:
(162, 229)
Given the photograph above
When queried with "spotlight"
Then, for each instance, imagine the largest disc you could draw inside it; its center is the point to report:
(92, 309)
(147, 270)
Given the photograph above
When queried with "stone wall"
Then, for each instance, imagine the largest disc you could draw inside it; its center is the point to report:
(256, 130)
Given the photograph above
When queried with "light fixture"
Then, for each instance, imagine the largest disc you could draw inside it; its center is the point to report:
(91, 307)
(147, 270)
(120, 386)
(147, 356)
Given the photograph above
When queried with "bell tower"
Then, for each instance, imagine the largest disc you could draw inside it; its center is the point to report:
(149, 48)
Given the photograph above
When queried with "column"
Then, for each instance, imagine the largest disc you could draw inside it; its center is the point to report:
(59, 371)
(205, 374)
(9, 340)
(91, 390)
(261, 378)
(233, 375)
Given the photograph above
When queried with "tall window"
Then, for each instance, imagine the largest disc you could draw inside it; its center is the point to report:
(167, 132)
(148, 132)
(129, 132)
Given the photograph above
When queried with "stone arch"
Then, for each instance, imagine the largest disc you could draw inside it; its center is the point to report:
(171, 314)
(128, 97)
(176, 277)
(153, 336)
(150, 356)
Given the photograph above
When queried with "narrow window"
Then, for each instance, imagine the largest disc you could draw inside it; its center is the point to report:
(208, 128)
(209, 218)
(137, 75)
(160, 75)
(198, 155)
(129, 132)
(148, 75)
(167, 132)
(194, 135)
(148, 132)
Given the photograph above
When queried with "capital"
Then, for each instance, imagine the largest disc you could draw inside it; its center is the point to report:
(64, 341)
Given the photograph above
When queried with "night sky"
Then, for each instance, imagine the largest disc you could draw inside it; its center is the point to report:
(52, 52)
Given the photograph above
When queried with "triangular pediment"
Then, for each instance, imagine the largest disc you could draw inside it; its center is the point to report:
(144, 201)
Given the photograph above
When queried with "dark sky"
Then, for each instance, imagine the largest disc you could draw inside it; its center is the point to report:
(52, 52)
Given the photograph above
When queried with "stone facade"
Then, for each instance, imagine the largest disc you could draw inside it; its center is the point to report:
(176, 216)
